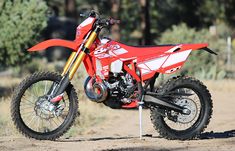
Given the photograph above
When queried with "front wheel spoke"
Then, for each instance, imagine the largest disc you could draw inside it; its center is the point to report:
(27, 100)
(26, 113)
(43, 126)
(38, 124)
(31, 94)
(59, 119)
(34, 91)
(25, 117)
(45, 88)
(46, 129)
(49, 126)
(55, 122)
(31, 120)
(34, 108)
(27, 107)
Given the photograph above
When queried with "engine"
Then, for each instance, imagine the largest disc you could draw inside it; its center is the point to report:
(117, 90)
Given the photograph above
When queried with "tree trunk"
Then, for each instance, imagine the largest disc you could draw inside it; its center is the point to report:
(145, 23)
(70, 9)
(115, 30)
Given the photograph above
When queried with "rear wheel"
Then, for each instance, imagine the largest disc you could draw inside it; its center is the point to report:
(34, 115)
(174, 125)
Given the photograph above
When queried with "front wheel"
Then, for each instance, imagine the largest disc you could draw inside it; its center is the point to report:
(174, 125)
(34, 115)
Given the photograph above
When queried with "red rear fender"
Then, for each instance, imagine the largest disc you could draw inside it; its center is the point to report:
(194, 46)
(203, 46)
(55, 42)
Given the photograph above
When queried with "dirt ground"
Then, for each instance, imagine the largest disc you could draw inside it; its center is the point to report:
(121, 132)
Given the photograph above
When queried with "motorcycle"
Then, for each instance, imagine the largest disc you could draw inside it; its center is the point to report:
(45, 104)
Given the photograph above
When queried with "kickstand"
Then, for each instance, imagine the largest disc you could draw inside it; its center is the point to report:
(140, 117)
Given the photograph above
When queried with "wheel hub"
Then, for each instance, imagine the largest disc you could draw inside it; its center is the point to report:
(191, 108)
(44, 108)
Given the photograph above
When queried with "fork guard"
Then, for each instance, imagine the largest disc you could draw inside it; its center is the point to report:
(55, 42)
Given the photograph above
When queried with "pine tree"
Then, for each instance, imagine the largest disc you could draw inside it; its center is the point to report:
(21, 22)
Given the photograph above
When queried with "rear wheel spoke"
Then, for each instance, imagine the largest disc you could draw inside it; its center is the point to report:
(195, 101)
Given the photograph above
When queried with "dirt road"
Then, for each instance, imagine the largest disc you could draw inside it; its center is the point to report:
(121, 133)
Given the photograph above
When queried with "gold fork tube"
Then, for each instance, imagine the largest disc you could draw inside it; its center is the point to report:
(76, 64)
(66, 67)
(81, 55)
(91, 40)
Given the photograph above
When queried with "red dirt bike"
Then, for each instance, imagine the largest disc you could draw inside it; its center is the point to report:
(45, 104)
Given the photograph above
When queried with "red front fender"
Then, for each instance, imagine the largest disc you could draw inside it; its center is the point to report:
(55, 42)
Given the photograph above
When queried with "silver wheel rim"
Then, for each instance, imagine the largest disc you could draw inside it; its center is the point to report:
(191, 102)
(31, 115)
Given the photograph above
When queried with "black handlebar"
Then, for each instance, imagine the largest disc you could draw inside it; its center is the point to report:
(107, 22)
(90, 14)
(100, 21)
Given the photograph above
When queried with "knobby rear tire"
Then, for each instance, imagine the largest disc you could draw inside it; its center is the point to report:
(15, 107)
(204, 117)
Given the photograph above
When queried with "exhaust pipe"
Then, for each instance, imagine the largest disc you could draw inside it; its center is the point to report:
(148, 99)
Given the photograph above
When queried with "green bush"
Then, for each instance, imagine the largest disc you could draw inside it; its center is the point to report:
(201, 64)
(35, 65)
(21, 23)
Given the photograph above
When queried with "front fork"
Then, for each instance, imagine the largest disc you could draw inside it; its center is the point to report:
(71, 66)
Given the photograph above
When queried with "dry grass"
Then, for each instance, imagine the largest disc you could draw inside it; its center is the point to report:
(6, 125)
(88, 115)
(6, 88)
(221, 85)
(91, 114)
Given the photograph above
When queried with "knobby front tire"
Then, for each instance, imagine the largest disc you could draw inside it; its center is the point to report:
(19, 93)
